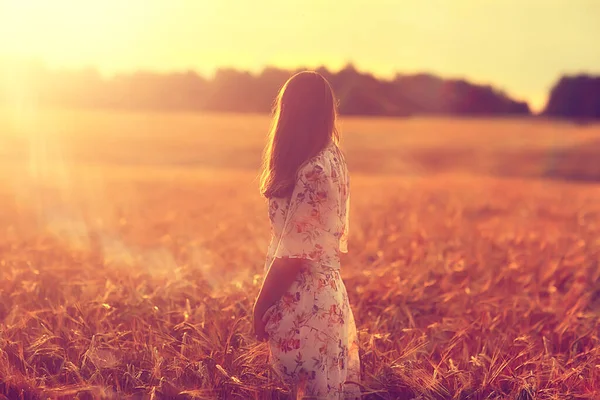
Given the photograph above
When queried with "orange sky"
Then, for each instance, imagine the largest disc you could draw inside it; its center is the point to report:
(521, 46)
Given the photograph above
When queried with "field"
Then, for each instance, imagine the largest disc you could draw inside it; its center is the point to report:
(132, 247)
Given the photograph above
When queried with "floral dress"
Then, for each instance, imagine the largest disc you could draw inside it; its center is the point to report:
(312, 335)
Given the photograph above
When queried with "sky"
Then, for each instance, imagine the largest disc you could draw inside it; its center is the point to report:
(520, 46)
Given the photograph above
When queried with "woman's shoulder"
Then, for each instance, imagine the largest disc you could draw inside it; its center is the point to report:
(318, 163)
(328, 163)
(313, 168)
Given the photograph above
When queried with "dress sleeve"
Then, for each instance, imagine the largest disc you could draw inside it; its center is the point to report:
(346, 226)
(308, 233)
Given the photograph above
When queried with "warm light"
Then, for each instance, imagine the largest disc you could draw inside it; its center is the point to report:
(81, 32)
(524, 50)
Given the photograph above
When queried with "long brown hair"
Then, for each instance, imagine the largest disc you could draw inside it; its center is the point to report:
(304, 122)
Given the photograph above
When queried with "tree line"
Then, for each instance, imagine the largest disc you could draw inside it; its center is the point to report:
(575, 97)
(230, 90)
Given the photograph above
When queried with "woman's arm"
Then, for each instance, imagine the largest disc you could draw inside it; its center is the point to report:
(281, 275)
(303, 236)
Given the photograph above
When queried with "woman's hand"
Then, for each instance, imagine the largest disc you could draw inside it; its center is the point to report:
(259, 324)
(280, 276)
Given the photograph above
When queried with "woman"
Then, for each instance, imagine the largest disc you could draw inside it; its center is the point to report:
(302, 309)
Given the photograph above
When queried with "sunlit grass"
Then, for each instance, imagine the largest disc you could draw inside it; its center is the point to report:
(139, 280)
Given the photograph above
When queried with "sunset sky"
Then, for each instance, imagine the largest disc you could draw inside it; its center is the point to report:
(521, 46)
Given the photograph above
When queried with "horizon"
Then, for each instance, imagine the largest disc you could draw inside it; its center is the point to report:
(522, 53)
(254, 72)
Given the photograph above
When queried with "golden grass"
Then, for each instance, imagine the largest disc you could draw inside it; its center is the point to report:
(138, 281)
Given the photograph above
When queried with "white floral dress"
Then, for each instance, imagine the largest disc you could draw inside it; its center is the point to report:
(312, 334)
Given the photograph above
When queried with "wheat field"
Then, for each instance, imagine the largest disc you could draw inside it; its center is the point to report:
(132, 247)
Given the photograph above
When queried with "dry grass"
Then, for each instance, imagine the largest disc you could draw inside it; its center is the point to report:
(137, 281)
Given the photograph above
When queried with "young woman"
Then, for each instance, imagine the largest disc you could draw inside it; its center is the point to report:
(302, 309)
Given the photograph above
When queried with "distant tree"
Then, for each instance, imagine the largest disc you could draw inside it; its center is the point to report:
(240, 91)
(232, 90)
(575, 97)
(269, 83)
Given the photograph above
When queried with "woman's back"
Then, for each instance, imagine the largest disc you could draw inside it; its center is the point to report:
(313, 221)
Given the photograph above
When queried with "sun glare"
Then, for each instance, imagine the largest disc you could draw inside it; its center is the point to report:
(65, 32)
